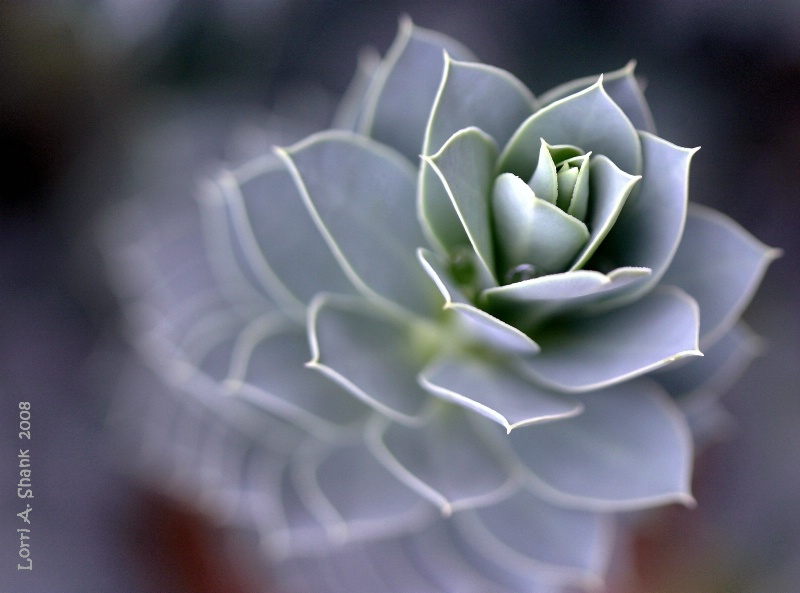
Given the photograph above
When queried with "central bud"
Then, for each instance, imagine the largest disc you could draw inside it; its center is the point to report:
(539, 225)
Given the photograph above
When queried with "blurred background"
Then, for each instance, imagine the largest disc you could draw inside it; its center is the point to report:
(104, 100)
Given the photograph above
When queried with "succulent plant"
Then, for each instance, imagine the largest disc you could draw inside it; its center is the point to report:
(459, 330)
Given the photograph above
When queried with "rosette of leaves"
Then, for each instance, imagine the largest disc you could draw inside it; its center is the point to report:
(462, 328)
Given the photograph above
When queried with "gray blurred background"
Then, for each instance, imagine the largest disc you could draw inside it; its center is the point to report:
(101, 100)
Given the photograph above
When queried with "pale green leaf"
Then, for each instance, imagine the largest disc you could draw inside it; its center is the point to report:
(465, 167)
(486, 330)
(369, 353)
(524, 534)
(609, 188)
(443, 460)
(629, 449)
(721, 265)
(621, 85)
(401, 96)
(496, 391)
(531, 231)
(361, 197)
(587, 353)
(588, 119)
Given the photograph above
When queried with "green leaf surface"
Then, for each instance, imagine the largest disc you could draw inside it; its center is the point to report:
(528, 302)
(470, 95)
(268, 369)
(465, 167)
(609, 189)
(544, 181)
(353, 493)
(588, 119)
(481, 327)
(402, 93)
(444, 460)
(350, 110)
(716, 372)
(524, 534)
(532, 231)
(477, 95)
(650, 227)
(278, 238)
(497, 392)
(721, 265)
(361, 197)
(587, 353)
(629, 449)
(369, 353)
(621, 85)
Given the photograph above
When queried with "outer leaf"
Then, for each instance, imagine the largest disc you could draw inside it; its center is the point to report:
(351, 108)
(584, 354)
(465, 167)
(486, 329)
(361, 196)
(650, 226)
(442, 555)
(621, 85)
(279, 240)
(268, 369)
(716, 372)
(402, 93)
(720, 264)
(470, 95)
(225, 258)
(588, 119)
(629, 449)
(443, 460)
(355, 495)
(369, 353)
(523, 534)
(497, 392)
(476, 95)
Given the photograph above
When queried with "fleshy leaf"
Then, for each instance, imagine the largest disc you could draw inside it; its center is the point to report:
(531, 231)
(525, 534)
(444, 460)
(497, 392)
(476, 95)
(465, 167)
(361, 197)
(486, 329)
(470, 95)
(403, 91)
(439, 553)
(716, 372)
(544, 181)
(621, 85)
(649, 228)
(588, 119)
(351, 107)
(721, 265)
(587, 353)
(354, 494)
(225, 258)
(277, 236)
(369, 353)
(629, 449)
(268, 369)
(609, 188)
(526, 303)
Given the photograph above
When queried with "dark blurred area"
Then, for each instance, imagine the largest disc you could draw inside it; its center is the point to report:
(89, 87)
